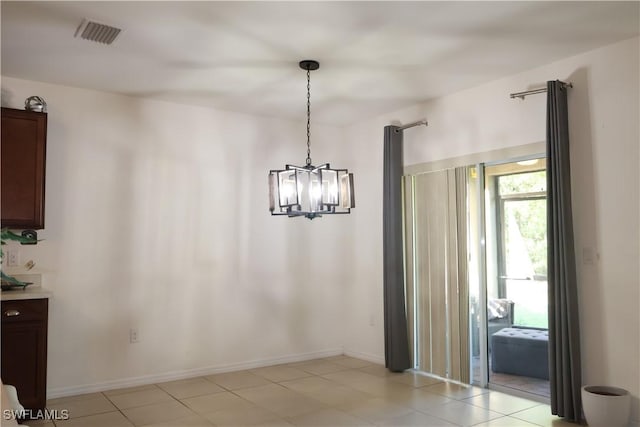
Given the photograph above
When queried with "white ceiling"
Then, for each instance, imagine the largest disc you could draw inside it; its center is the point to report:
(375, 57)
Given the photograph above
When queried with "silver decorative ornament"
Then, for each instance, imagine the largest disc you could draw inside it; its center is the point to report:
(35, 103)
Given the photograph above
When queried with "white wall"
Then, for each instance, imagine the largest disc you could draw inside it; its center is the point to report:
(157, 218)
(604, 133)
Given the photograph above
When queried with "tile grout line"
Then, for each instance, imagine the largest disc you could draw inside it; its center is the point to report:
(119, 410)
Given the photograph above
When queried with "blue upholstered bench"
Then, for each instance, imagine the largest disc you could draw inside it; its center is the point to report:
(521, 351)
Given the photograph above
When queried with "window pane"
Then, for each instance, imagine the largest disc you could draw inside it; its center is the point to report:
(529, 182)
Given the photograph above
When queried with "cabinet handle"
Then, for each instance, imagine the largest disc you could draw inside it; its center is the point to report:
(12, 313)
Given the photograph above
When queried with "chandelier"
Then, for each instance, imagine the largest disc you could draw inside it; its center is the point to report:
(310, 191)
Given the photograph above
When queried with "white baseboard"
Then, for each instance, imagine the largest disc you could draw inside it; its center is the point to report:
(188, 373)
(365, 356)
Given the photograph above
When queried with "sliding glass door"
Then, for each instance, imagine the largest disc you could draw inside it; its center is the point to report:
(509, 299)
(475, 254)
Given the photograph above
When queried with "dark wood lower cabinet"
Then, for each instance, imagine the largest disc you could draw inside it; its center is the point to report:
(24, 350)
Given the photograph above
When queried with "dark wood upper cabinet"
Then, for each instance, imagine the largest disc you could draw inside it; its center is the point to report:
(24, 147)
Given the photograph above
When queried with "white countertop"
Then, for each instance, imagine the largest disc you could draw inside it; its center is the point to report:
(30, 292)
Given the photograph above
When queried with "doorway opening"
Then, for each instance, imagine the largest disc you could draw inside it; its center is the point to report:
(508, 303)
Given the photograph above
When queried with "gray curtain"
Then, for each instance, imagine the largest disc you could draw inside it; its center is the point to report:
(396, 343)
(564, 331)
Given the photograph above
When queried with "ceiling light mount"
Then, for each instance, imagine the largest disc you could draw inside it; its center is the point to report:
(310, 191)
(309, 65)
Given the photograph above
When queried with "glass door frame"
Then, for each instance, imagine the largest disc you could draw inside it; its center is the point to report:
(482, 279)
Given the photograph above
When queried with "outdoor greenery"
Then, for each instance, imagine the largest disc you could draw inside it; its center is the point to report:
(536, 319)
(525, 234)
(530, 216)
(528, 182)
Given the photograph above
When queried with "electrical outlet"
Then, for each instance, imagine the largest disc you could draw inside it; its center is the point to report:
(13, 257)
(134, 336)
(589, 255)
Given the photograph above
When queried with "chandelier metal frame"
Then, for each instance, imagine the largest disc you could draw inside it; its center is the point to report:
(310, 191)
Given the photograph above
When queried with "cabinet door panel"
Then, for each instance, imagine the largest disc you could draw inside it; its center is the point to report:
(24, 351)
(20, 361)
(23, 168)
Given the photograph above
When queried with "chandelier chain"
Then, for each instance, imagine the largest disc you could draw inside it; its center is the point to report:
(308, 117)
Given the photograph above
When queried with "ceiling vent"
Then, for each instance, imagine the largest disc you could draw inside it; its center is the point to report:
(96, 32)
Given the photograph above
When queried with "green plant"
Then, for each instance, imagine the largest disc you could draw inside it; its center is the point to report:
(6, 236)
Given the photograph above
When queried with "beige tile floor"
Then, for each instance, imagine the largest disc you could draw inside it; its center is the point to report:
(336, 391)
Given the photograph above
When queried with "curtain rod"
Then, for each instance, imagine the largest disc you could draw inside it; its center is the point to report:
(522, 95)
(410, 125)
